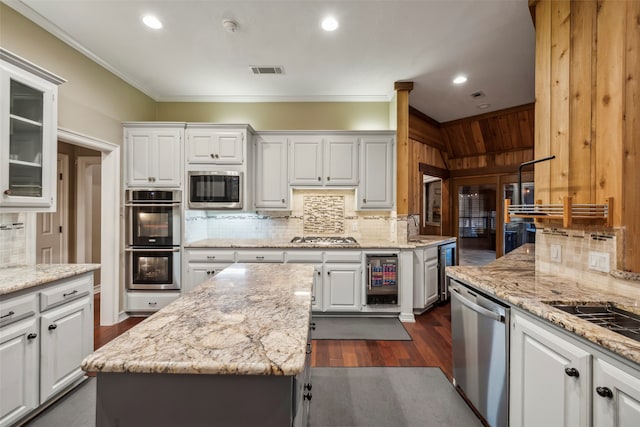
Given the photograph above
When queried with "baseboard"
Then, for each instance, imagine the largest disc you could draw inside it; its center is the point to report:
(122, 316)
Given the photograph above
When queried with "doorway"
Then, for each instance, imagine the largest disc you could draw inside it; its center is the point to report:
(432, 206)
(52, 228)
(476, 222)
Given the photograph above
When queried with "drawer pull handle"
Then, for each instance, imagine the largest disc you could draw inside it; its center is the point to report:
(259, 257)
(11, 313)
(32, 336)
(572, 372)
(53, 326)
(604, 392)
(70, 293)
(211, 257)
(153, 304)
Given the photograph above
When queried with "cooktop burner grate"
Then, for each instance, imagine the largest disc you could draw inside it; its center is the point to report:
(328, 240)
(607, 316)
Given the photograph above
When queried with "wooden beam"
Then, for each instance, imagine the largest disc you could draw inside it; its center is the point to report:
(488, 171)
(402, 147)
(490, 115)
(434, 171)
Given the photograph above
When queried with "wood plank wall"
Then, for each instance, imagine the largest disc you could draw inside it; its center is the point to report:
(588, 108)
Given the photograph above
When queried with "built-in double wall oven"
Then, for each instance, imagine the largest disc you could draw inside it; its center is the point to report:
(153, 239)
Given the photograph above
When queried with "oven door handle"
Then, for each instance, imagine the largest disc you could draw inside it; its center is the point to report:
(478, 309)
(153, 205)
(152, 250)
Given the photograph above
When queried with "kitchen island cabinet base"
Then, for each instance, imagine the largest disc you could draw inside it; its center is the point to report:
(132, 399)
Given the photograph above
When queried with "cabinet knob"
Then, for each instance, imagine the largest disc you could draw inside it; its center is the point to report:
(604, 392)
(7, 192)
(308, 386)
(53, 326)
(318, 272)
(319, 179)
(572, 372)
(282, 200)
(149, 179)
(208, 273)
(328, 178)
(212, 156)
(313, 326)
(307, 396)
(32, 336)
(328, 273)
(364, 200)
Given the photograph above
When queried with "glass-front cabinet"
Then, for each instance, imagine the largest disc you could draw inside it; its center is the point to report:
(28, 132)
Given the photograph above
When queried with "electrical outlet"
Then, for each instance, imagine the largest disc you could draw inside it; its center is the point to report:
(556, 253)
(599, 261)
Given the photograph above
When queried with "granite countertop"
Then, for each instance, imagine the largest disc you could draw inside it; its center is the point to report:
(250, 319)
(513, 279)
(13, 279)
(415, 242)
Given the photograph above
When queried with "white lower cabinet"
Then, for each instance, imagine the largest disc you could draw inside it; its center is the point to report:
(66, 337)
(342, 286)
(616, 395)
(19, 351)
(200, 272)
(147, 302)
(558, 380)
(425, 278)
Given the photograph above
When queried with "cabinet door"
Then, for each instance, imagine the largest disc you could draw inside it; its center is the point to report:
(376, 177)
(341, 161)
(342, 286)
(197, 273)
(543, 393)
(166, 158)
(212, 146)
(271, 181)
(316, 292)
(139, 171)
(200, 146)
(306, 160)
(616, 396)
(28, 129)
(18, 370)
(431, 281)
(228, 148)
(66, 336)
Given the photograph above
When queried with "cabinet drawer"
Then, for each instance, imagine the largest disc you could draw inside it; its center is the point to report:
(69, 290)
(14, 309)
(260, 256)
(149, 301)
(431, 253)
(305, 256)
(343, 256)
(210, 255)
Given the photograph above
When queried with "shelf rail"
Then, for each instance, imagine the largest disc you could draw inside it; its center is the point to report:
(567, 211)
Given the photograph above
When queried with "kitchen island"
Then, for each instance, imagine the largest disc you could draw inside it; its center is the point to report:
(234, 350)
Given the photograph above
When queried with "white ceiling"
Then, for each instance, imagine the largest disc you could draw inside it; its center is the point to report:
(378, 42)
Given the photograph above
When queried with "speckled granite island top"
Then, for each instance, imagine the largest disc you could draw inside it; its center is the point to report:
(13, 279)
(513, 279)
(369, 243)
(250, 319)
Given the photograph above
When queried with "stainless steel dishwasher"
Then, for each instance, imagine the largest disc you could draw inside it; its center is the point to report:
(480, 332)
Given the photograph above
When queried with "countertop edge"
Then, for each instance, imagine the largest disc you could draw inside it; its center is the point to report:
(42, 277)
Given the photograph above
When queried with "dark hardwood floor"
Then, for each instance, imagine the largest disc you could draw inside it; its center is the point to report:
(430, 345)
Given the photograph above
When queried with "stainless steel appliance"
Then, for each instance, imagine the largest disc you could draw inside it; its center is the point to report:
(215, 190)
(480, 333)
(153, 218)
(447, 256)
(152, 258)
(153, 268)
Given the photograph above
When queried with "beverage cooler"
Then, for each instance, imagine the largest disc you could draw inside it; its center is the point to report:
(382, 279)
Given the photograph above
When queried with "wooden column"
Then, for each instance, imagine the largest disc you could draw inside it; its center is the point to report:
(403, 153)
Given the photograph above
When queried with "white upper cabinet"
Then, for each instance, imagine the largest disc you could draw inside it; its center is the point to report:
(324, 160)
(306, 160)
(154, 155)
(376, 173)
(28, 132)
(271, 178)
(215, 146)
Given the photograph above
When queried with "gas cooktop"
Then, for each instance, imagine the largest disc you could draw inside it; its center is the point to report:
(325, 240)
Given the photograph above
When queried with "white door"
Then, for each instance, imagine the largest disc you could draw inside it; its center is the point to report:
(52, 234)
(341, 161)
(544, 389)
(305, 161)
(616, 396)
(342, 286)
(272, 189)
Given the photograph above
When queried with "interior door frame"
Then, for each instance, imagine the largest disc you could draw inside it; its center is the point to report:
(83, 239)
(110, 273)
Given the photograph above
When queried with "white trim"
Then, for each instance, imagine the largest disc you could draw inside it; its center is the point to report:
(110, 224)
(29, 66)
(83, 210)
(122, 316)
(30, 225)
(63, 200)
(277, 98)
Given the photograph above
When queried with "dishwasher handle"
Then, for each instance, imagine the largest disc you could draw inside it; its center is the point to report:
(480, 310)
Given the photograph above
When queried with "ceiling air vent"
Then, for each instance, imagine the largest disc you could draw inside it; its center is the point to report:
(478, 94)
(267, 69)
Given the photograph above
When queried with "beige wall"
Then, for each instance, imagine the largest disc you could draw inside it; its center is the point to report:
(282, 115)
(93, 101)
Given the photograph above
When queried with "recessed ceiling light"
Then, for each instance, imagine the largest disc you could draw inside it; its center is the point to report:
(483, 106)
(152, 22)
(329, 24)
(460, 79)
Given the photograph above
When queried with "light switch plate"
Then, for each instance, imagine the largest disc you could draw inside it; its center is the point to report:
(599, 261)
(556, 253)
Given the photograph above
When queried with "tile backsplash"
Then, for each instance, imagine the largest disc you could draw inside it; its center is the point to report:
(13, 242)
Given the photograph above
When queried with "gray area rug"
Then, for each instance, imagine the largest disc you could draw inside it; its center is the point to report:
(386, 397)
(359, 328)
(345, 397)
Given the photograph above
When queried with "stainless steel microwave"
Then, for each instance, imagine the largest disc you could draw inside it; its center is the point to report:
(215, 190)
